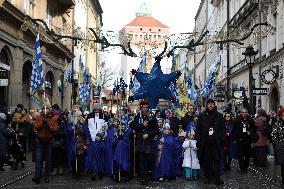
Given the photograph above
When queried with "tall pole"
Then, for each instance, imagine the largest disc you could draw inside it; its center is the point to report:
(228, 51)
(250, 89)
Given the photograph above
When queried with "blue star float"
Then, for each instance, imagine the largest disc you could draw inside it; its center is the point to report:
(155, 85)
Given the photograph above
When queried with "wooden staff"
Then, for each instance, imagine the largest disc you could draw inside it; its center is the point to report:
(134, 158)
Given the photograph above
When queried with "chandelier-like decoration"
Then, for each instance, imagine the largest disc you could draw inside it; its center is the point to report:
(110, 40)
(51, 34)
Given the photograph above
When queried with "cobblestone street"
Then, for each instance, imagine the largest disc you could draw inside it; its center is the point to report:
(256, 178)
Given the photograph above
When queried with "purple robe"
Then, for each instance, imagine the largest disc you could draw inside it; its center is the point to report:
(110, 150)
(167, 165)
(122, 151)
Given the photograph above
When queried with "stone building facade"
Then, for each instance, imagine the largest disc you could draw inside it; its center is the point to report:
(17, 49)
(240, 16)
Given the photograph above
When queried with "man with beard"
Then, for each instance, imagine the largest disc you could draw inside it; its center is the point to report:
(243, 132)
(210, 139)
(145, 127)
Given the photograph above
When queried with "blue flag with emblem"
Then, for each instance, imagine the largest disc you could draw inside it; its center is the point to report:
(37, 79)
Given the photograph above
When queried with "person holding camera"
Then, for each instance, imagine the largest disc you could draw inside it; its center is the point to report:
(45, 127)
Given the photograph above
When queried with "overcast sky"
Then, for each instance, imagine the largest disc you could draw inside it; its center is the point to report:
(178, 14)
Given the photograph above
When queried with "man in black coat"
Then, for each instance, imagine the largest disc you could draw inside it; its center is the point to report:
(188, 119)
(145, 127)
(210, 141)
(243, 133)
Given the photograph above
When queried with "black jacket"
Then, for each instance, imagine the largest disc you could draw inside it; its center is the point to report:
(186, 120)
(140, 130)
(216, 141)
(243, 137)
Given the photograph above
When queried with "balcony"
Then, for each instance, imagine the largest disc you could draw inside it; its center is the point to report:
(66, 4)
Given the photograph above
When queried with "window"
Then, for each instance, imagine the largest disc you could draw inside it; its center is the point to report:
(29, 7)
(49, 16)
(141, 29)
(150, 29)
(159, 30)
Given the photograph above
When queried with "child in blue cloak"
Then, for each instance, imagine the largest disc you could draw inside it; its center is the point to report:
(157, 144)
(166, 161)
(96, 157)
(112, 133)
(179, 151)
(122, 154)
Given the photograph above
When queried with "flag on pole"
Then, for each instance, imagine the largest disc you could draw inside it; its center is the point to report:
(37, 79)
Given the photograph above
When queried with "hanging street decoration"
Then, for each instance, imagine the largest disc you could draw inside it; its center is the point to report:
(268, 76)
(155, 85)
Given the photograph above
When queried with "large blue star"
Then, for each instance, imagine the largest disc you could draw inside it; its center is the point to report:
(154, 86)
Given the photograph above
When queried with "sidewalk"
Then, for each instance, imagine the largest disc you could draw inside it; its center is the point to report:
(272, 172)
(10, 174)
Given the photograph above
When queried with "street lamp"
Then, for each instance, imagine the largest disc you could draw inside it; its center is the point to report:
(250, 58)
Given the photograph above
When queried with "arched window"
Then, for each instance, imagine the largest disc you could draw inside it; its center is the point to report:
(4, 79)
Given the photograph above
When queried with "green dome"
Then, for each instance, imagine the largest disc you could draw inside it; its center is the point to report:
(144, 10)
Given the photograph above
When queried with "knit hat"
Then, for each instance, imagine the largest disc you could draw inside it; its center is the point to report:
(210, 100)
(143, 102)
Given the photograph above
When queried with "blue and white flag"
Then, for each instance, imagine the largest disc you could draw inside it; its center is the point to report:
(37, 79)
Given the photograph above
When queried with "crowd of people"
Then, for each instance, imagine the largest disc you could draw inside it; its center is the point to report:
(151, 145)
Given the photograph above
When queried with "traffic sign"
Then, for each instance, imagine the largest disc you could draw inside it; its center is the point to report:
(260, 91)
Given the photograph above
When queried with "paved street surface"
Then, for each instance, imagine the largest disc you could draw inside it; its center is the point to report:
(256, 178)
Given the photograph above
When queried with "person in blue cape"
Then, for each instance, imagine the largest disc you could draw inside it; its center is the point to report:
(96, 152)
(157, 144)
(111, 137)
(167, 166)
(69, 134)
(122, 154)
(179, 151)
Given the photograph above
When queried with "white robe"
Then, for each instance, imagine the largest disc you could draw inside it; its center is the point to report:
(95, 126)
(187, 156)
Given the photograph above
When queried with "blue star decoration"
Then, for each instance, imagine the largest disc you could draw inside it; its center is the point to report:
(155, 85)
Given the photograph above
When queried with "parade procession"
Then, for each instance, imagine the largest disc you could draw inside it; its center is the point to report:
(91, 100)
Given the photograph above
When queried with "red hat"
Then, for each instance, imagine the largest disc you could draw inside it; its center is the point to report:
(280, 111)
(144, 102)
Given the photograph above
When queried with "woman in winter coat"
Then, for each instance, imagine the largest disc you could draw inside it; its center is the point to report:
(261, 124)
(190, 161)
(228, 141)
(278, 139)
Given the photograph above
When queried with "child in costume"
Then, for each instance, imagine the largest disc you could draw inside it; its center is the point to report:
(190, 161)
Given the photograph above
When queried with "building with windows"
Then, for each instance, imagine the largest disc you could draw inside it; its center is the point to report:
(87, 14)
(17, 49)
(148, 35)
(238, 17)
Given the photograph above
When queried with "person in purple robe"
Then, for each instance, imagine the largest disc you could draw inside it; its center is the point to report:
(112, 133)
(122, 154)
(166, 159)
